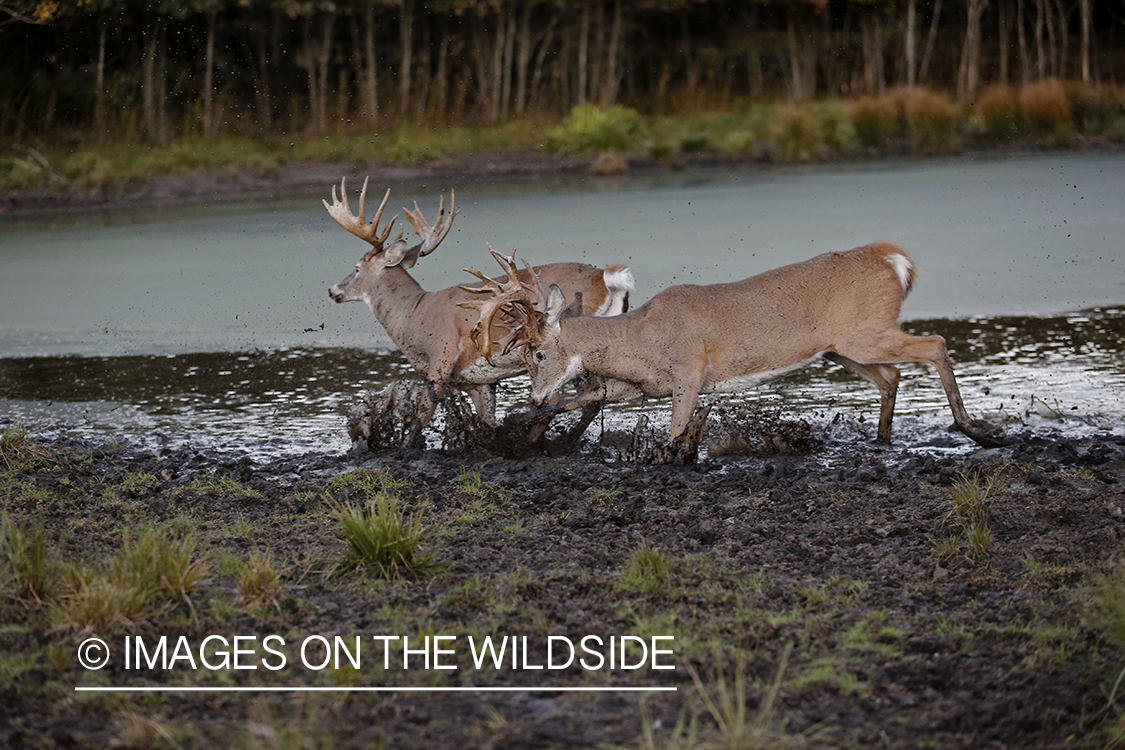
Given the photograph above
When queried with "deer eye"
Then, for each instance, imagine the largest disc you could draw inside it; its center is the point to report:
(540, 356)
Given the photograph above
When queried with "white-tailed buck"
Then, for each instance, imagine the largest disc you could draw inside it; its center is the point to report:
(431, 328)
(692, 339)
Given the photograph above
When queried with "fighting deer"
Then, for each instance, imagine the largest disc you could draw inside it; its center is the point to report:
(431, 328)
(723, 338)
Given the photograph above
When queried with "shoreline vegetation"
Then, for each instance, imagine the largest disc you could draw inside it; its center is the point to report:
(600, 140)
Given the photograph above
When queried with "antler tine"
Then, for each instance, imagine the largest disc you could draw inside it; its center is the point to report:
(341, 211)
(432, 236)
(509, 296)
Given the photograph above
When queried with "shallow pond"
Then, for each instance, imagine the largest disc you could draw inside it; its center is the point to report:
(212, 324)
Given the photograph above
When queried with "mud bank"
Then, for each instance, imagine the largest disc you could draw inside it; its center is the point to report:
(855, 577)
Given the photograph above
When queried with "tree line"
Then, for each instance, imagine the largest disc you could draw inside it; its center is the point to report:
(160, 70)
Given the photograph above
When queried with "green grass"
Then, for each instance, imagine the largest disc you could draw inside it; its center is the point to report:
(259, 582)
(971, 498)
(19, 452)
(383, 540)
(647, 571)
(154, 572)
(1048, 113)
(26, 573)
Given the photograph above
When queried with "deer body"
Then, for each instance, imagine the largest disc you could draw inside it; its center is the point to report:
(431, 328)
(691, 339)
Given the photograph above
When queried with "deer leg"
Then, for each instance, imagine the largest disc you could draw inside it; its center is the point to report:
(426, 401)
(906, 348)
(484, 401)
(687, 426)
(885, 378)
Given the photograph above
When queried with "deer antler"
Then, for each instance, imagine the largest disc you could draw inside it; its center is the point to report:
(357, 225)
(512, 297)
(432, 236)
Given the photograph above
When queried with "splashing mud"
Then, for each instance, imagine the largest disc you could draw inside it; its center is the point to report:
(1060, 375)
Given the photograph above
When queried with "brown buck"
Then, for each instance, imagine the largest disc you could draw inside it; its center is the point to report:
(431, 328)
(723, 338)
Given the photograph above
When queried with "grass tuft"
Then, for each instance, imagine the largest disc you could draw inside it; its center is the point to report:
(383, 540)
(19, 452)
(152, 573)
(971, 498)
(26, 574)
(647, 570)
(259, 582)
(727, 706)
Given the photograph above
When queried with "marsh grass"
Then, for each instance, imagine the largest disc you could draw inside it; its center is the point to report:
(1000, 114)
(154, 572)
(20, 452)
(27, 575)
(971, 496)
(222, 486)
(1049, 113)
(726, 699)
(1045, 107)
(382, 540)
(647, 570)
(259, 582)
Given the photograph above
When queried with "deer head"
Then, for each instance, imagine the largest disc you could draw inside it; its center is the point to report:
(382, 256)
(532, 317)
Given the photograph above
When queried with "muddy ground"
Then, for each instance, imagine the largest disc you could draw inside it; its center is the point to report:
(845, 575)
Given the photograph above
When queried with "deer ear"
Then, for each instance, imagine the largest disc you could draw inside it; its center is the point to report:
(575, 306)
(556, 303)
(398, 254)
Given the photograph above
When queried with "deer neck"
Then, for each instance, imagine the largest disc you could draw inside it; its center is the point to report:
(594, 341)
(393, 300)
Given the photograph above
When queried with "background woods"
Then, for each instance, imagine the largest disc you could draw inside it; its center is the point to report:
(159, 71)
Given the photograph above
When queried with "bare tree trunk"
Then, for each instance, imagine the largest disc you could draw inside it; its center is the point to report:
(162, 86)
(523, 59)
(911, 35)
(209, 78)
(509, 31)
(594, 79)
(323, 60)
(873, 48)
(1063, 37)
(1041, 53)
(1021, 36)
(442, 74)
(931, 42)
(583, 50)
(968, 72)
(1003, 23)
(260, 69)
(370, 68)
(540, 57)
(100, 130)
(496, 70)
(609, 89)
(406, 42)
(424, 64)
(1050, 64)
(150, 90)
(1086, 13)
(796, 93)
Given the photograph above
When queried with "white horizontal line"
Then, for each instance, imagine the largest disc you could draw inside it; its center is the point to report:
(275, 689)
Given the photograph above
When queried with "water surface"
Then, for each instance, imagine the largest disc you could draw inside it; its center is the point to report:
(213, 322)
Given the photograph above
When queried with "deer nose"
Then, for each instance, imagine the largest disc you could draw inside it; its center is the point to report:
(336, 293)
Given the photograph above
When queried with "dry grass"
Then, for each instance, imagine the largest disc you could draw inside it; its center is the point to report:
(1046, 109)
(1000, 113)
